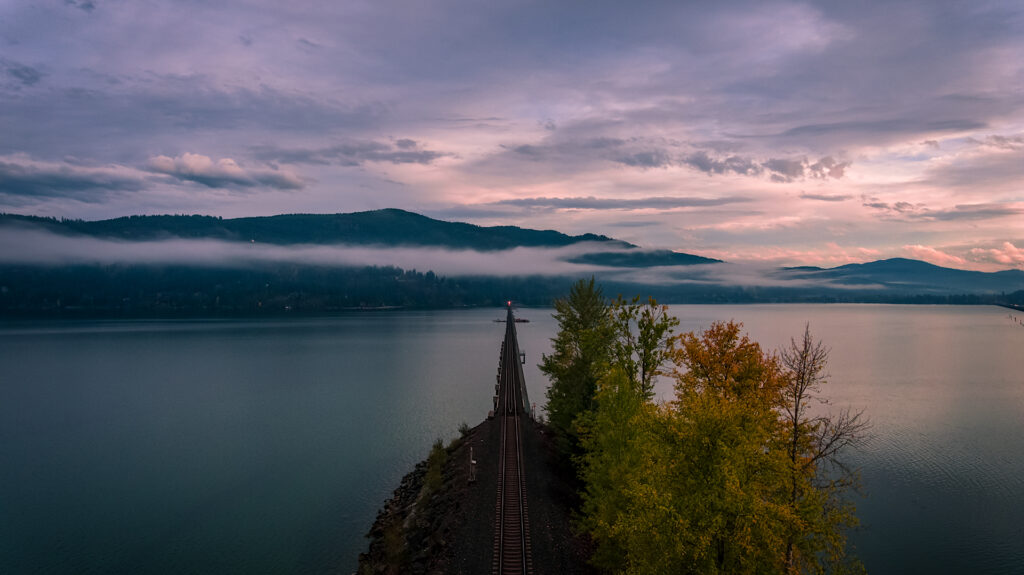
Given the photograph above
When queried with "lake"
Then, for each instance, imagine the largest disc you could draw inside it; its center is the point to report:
(266, 446)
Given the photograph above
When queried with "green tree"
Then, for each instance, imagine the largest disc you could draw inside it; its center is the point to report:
(616, 443)
(643, 341)
(579, 359)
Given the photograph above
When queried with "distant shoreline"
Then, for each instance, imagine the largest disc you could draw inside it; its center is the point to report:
(79, 314)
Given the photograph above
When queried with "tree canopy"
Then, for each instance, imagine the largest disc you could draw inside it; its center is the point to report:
(737, 473)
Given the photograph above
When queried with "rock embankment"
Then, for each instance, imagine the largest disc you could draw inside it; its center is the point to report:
(438, 521)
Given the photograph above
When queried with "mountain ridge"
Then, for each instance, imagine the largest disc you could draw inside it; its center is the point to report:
(400, 228)
(390, 227)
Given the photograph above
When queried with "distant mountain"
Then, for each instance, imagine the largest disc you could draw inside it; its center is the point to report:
(636, 258)
(144, 286)
(389, 227)
(902, 275)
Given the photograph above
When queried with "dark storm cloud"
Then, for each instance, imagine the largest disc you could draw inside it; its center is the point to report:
(26, 178)
(353, 153)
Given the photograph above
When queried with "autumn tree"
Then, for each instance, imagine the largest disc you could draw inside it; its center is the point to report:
(724, 422)
(719, 480)
(687, 487)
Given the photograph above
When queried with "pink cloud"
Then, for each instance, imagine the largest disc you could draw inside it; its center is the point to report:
(934, 256)
(830, 256)
(1007, 254)
(225, 172)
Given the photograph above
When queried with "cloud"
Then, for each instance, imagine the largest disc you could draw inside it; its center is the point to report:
(502, 211)
(906, 211)
(22, 176)
(84, 5)
(1007, 254)
(709, 165)
(626, 102)
(972, 212)
(307, 45)
(829, 255)
(224, 173)
(646, 159)
(353, 153)
(737, 275)
(825, 197)
(23, 74)
(934, 256)
(573, 149)
(997, 164)
(784, 170)
(26, 245)
(1002, 142)
(592, 203)
(133, 112)
(887, 126)
(634, 224)
(828, 167)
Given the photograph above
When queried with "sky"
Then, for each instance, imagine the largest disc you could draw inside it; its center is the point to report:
(768, 133)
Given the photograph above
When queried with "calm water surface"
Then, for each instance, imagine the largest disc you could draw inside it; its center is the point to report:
(267, 446)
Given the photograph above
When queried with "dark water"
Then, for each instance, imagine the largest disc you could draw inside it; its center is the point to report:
(267, 446)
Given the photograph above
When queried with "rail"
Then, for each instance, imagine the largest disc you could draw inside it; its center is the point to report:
(511, 530)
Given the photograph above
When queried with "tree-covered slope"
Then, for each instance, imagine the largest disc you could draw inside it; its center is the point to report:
(389, 227)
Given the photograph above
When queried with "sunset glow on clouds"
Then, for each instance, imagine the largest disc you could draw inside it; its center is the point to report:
(776, 133)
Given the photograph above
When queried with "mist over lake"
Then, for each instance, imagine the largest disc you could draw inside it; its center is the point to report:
(266, 446)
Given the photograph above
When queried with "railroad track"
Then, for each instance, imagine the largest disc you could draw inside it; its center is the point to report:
(511, 528)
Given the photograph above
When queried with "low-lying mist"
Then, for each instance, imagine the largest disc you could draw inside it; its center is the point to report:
(36, 247)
